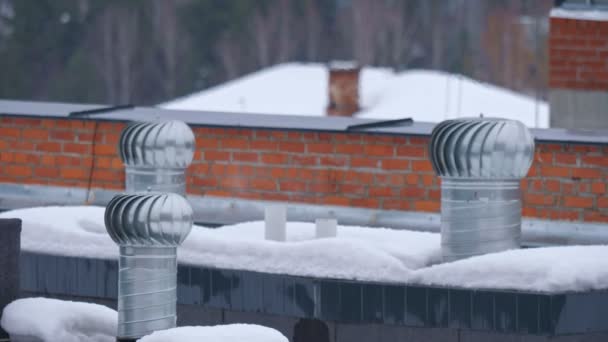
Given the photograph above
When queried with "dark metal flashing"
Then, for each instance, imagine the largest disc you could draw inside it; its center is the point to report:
(103, 110)
(268, 121)
(382, 123)
(334, 300)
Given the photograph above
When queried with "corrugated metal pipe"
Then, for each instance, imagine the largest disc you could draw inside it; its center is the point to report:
(156, 155)
(148, 228)
(480, 162)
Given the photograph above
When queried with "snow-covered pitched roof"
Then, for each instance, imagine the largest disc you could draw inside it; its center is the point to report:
(424, 95)
(284, 89)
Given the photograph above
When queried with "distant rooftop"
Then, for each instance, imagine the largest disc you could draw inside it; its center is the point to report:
(424, 95)
(596, 10)
(582, 4)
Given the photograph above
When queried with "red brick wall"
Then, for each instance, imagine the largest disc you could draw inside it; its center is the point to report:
(578, 54)
(567, 181)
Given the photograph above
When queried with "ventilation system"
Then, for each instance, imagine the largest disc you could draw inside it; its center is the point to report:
(148, 228)
(481, 163)
(156, 155)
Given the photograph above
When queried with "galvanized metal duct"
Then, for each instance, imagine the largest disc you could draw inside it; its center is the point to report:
(148, 228)
(156, 155)
(481, 163)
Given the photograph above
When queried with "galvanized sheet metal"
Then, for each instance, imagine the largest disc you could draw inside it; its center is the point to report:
(148, 228)
(480, 162)
(148, 219)
(481, 148)
(156, 155)
(168, 144)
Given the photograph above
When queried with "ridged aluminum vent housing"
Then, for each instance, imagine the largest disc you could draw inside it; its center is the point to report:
(148, 219)
(481, 162)
(156, 155)
(148, 227)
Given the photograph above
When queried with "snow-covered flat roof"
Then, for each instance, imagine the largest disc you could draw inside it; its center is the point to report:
(424, 95)
(580, 14)
(360, 253)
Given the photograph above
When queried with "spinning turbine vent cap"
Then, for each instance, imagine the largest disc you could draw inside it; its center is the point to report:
(148, 219)
(481, 162)
(156, 155)
(148, 228)
(481, 149)
(167, 144)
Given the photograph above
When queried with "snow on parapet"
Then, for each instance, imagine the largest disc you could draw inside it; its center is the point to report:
(372, 254)
(357, 252)
(580, 14)
(220, 333)
(48, 319)
(545, 269)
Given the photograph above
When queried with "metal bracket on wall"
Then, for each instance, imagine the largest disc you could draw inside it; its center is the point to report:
(382, 123)
(102, 110)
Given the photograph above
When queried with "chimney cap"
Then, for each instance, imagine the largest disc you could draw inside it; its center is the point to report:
(151, 219)
(168, 144)
(481, 148)
(341, 65)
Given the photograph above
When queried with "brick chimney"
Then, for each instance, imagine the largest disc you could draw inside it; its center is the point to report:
(343, 89)
(578, 65)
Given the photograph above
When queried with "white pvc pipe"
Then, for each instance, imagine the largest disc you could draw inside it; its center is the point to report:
(275, 217)
(326, 228)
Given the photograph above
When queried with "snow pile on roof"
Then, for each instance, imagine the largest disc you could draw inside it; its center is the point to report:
(220, 333)
(551, 269)
(580, 14)
(357, 253)
(70, 231)
(56, 320)
(424, 95)
(372, 254)
(48, 319)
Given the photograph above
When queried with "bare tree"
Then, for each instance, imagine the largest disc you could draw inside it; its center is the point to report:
(313, 29)
(229, 55)
(262, 35)
(285, 41)
(367, 22)
(167, 34)
(118, 27)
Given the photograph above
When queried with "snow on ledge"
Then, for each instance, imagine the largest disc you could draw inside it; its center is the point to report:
(57, 320)
(579, 14)
(220, 333)
(545, 269)
(357, 253)
(361, 253)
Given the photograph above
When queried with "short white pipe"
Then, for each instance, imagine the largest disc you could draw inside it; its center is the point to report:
(326, 228)
(275, 218)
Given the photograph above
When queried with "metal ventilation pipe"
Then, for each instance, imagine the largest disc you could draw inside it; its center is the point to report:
(156, 155)
(481, 163)
(148, 228)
